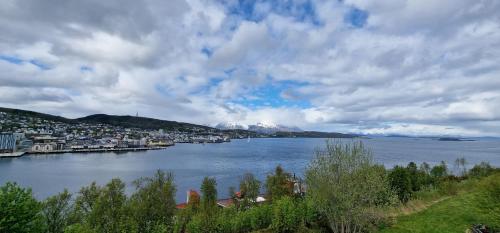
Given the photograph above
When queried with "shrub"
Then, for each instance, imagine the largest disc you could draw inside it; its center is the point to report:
(286, 215)
(19, 211)
(400, 181)
(481, 170)
(56, 211)
(343, 182)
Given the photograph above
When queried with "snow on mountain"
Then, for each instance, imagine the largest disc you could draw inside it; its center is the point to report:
(231, 125)
(261, 127)
(270, 128)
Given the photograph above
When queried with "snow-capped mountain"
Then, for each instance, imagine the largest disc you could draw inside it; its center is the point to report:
(231, 125)
(267, 128)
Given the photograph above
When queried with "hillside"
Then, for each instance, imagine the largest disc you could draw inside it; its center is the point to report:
(42, 116)
(141, 122)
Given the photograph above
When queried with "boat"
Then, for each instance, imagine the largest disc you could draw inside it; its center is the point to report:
(12, 154)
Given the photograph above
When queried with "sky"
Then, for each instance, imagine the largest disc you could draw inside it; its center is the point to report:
(414, 67)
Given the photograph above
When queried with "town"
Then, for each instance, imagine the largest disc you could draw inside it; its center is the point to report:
(24, 134)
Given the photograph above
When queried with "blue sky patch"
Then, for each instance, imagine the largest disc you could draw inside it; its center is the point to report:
(86, 69)
(208, 52)
(13, 60)
(356, 17)
(19, 61)
(270, 95)
(248, 10)
(39, 64)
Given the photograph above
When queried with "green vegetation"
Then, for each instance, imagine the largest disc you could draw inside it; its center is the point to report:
(476, 203)
(346, 192)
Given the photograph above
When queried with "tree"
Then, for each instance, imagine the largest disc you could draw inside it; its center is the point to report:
(481, 170)
(439, 171)
(278, 184)
(344, 184)
(286, 215)
(400, 181)
(460, 166)
(153, 203)
(249, 188)
(208, 205)
(85, 203)
(20, 212)
(110, 213)
(56, 211)
(208, 194)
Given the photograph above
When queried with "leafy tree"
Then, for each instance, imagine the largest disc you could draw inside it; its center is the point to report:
(110, 213)
(401, 183)
(208, 194)
(153, 204)
(439, 171)
(278, 185)
(481, 170)
(286, 215)
(56, 211)
(19, 211)
(85, 203)
(208, 204)
(249, 188)
(344, 184)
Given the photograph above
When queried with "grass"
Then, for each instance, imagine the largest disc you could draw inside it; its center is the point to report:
(449, 214)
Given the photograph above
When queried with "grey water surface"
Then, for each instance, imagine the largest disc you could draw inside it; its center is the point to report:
(227, 162)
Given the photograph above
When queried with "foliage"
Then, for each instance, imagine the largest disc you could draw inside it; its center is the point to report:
(19, 211)
(439, 171)
(249, 188)
(400, 181)
(456, 213)
(153, 203)
(343, 183)
(111, 213)
(208, 204)
(481, 170)
(286, 215)
(277, 184)
(56, 211)
(208, 194)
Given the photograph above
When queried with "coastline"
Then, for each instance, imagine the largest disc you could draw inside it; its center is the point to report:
(100, 150)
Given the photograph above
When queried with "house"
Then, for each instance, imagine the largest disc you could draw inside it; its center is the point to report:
(192, 197)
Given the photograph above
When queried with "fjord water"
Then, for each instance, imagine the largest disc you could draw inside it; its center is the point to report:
(50, 174)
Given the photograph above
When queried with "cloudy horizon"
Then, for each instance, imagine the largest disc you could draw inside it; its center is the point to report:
(412, 67)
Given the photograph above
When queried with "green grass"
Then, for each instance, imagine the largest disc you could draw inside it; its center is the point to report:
(455, 214)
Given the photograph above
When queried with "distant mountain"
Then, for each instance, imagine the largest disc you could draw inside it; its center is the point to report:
(272, 128)
(230, 125)
(311, 134)
(264, 128)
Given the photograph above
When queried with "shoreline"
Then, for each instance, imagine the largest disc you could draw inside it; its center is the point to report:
(100, 150)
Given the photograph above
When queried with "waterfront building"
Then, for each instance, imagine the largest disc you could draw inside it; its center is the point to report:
(7, 143)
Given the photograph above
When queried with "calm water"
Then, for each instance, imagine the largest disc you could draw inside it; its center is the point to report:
(49, 174)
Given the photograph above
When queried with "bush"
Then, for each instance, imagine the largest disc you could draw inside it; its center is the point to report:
(343, 182)
(286, 216)
(19, 211)
(400, 181)
(481, 170)
(448, 187)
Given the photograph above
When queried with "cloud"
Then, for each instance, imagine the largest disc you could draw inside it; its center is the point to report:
(416, 67)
